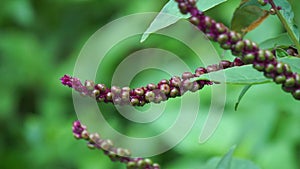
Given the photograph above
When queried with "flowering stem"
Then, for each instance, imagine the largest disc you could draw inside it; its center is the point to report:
(286, 26)
(115, 154)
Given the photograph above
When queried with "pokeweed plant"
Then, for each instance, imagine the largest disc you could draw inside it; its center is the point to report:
(277, 62)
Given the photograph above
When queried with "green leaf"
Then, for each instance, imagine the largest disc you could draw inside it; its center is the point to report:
(280, 40)
(288, 14)
(280, 53)
(235, 164)
(242, 94)
(226, 160)
(170, 14)
(248, 16)
(294, 62)
(242, 75)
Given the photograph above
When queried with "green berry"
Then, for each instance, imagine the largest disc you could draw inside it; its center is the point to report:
(297, 78)
(239, 46)
(248, 58)
(106, 144)
(223, 38)
(248, 45)
(225, 46)
(151, 86)
(109, 96)
(134, 101)
(235, 37)
(220, 28)
(262, 2)
(280, 79)
(89, 84)
(280, 68)
(187, 75)
(269, 55)
(289, 82)
(149, 96)
(269, 68)
(139, 91)
(296, 94)
(261, 55)
(101, 87)
(95, 93)
(165, 88)
(131, 165)
(174, 92)
(194, 20)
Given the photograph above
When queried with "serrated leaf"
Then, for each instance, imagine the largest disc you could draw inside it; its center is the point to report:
(294, 62)
(242, 75)
(248, 16)
(225, 162)
(280, 40)
(288, 14)
(170, 14)
(242, 94)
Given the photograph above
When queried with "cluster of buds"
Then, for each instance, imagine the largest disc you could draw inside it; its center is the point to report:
(156, 93)
(115, 154)
(248, 51)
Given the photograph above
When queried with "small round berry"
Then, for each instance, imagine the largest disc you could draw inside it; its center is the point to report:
(280, 79)
(212, 68)
(91, 145)
(238, 62)
(89, 84)
(175, 81)
(222, 38)
(287, 68)
(106, 144)
(150, 96)
(200, 71)
(248, 45)
(101, 87)
(226, 46)
(194, 20)
(115, 90)
(195, 87)
(234, 36)
(192, 2)
(164, 81)
(239, 46)
(138, 91)
(95, 93)
(269, 55)
(248, 58)
(224, 64)
(269, 68)
(134, 101)
(296, 94)
(109, 96)
(220, 28)
(182, 7)
(289, 82)
(279, 68)
(261, 56)
(174, 92)
(187, 75)
(131, 165)
(259, 66)
(272, 11)
(208, 22)
(165, 89)
(151, 86)
(262, 2)
(297, 78)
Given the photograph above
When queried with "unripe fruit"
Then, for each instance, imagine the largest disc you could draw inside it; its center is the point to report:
(200, 71)
(280, 79)
(226, 46)
(109, 96)
(174, 92)
(289, 82)
(194, 20)
(224, 64)
(269, 68)
(183, 8)
(262, 2)
(248, 45)
(248, 58)
(101, 87)
(220, 28)
(280, 68)
(187, 75)
(165, 89)
(296, 94)
(234, 37)
(134, 101)
(261, 56)
(139, 91)
(151, 86)
(297, 78)
(223, 38)
(89, 84)
(149, 96)
(239, 46)
(259, 66)
(175, 81)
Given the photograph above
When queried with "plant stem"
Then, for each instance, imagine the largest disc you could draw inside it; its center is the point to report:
(286, 26)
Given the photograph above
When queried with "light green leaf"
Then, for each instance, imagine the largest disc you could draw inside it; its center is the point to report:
(242, 94)
(294, 62)
(170, 14)
(225, 162)
(280, 40)
(242, 75)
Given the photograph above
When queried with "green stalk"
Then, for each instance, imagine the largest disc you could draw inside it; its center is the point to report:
(286, 26)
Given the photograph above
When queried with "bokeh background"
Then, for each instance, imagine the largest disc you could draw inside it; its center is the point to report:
(40, 42)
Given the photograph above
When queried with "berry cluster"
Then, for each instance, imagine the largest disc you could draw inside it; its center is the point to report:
(165, 89)
(248, 51)
(115, 154)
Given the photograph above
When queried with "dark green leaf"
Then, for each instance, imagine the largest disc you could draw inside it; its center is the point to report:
(170, 14)
(242, 94)
(248, 16)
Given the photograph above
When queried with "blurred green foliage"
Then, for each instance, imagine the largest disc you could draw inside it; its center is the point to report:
(40, 41)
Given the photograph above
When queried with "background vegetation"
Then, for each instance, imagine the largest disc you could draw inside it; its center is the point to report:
(40, 41)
